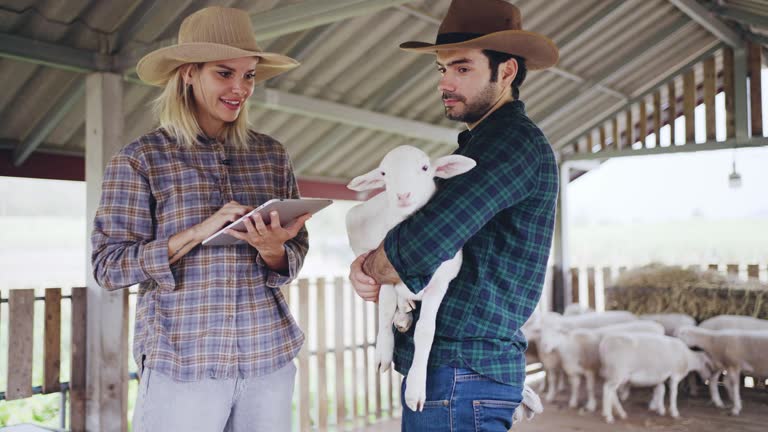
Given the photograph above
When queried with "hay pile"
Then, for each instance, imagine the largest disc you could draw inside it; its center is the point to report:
(658, 288)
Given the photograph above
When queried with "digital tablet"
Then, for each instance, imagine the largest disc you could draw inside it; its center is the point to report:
(288, 210)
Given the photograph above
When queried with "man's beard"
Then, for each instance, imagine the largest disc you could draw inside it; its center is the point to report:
(473, 110)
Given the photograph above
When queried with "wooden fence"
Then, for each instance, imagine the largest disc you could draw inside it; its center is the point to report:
(337, 386)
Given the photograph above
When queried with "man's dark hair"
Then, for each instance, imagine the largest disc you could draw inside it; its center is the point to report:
(495, 58)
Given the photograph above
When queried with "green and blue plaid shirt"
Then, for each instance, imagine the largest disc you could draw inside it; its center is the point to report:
(502, 214)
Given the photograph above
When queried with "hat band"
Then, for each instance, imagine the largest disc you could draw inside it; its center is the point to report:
(452, 38)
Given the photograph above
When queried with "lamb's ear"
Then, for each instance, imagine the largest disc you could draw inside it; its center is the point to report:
(453, 165)
(370, 180)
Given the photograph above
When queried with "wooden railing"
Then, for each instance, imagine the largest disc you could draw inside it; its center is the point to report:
(696, 83)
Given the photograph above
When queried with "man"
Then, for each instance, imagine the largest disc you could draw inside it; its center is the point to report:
(501, 213)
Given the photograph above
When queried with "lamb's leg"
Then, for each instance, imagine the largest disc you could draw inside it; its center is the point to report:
(403, 317)
(551, 384)
(733, 381)
(674, 382)
(589, 376)
(624, 391)
(609, 393)
(714, 392)
(385, 340)
(657, 402)
(575, 381)
(617, 404)
(416, 381)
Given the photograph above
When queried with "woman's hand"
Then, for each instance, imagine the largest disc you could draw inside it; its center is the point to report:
(231, 212)
(270, 239)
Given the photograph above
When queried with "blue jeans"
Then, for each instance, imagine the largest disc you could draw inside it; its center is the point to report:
(461, 400)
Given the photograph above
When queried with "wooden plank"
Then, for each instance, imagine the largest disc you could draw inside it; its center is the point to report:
(689, 105)
(709, 96)
(732, 270)
(339, 346)
(52, 343)
(591, 287)
(753, 271)
(576, 147)
(355, 329)
(671, 110)
(322, 358)
(21, 320)
(590, 144)
(657, 116)
(630, 128)
(713, 267)
(729, 89)
(643, 122)
(77, 380)
(366, 368)
(304, 416)
(574, 285)
(607, 277)
(602, 137)
(615, 130)
(754, 66)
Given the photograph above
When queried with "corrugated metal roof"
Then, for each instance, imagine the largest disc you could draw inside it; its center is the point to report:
(610, 51)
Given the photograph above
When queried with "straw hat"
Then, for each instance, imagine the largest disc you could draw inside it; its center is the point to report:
(490, 25)
(211, 34)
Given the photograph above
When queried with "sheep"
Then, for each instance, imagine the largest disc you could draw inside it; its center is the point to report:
(407, 175)
(550, 361)
(579, 354)
(734, 322)
(731, 350)
(670, 321)
(646, 360)
(551, 325)
(576, 309)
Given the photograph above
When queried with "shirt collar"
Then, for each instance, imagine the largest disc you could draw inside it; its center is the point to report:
(508, 109)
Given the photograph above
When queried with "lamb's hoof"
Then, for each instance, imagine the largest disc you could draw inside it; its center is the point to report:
(735, 412)
(415, 391)
(591, 406)
(623, 416)
(609, 420)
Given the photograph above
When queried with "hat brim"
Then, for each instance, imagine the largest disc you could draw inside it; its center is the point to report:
(157, 67)
(538, 51)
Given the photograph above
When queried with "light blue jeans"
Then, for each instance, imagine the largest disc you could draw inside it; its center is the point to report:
(461, 400)
(259, 404)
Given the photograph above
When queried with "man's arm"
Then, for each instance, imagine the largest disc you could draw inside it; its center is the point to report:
(377, 266)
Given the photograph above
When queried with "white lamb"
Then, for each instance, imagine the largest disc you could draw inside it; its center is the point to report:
(555, 376)
(734, 322)
(671, 321)
(578, 350)
(734, 351)
(646, 360)
(407, 175)
(551, 325)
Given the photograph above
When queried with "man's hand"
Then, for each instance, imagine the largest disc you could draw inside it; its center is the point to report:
(364, 285)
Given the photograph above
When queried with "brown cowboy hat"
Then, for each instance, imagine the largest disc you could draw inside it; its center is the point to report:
(490, 25)
(212, 34)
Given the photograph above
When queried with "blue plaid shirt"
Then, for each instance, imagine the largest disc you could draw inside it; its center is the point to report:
(218, 312)
(502, 214)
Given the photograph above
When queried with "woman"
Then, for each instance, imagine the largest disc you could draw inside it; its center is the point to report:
(214, 337)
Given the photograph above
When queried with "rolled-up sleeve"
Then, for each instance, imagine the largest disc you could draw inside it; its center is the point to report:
(125, 251)
(460, 208)
(296, 248)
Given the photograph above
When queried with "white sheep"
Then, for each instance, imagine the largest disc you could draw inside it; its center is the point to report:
(407, 174)
(734, 322)
(646, 360)
(578, 350)
(555, 376)
(731, 350)
(552, 325)
(670, 321)
(576, 309)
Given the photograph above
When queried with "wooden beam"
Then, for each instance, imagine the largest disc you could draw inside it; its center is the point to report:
(340, 351)
(52, 341)
(754, 70)
(709, 96)
(21, 316)
(616, 134)
(643, 122)
(689, 105)
(729, 91)
(78, 361)
(657, 116)
(671, 111)
(303, 409)
(630, 127)
(602, 137)
(706, 146)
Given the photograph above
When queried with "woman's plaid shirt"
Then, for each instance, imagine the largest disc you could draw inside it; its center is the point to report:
(218, 312)
(502, 214)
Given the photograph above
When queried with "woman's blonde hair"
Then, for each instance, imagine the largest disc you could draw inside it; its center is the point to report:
(175, 107)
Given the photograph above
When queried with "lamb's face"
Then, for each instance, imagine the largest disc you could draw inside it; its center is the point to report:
(408, 175)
